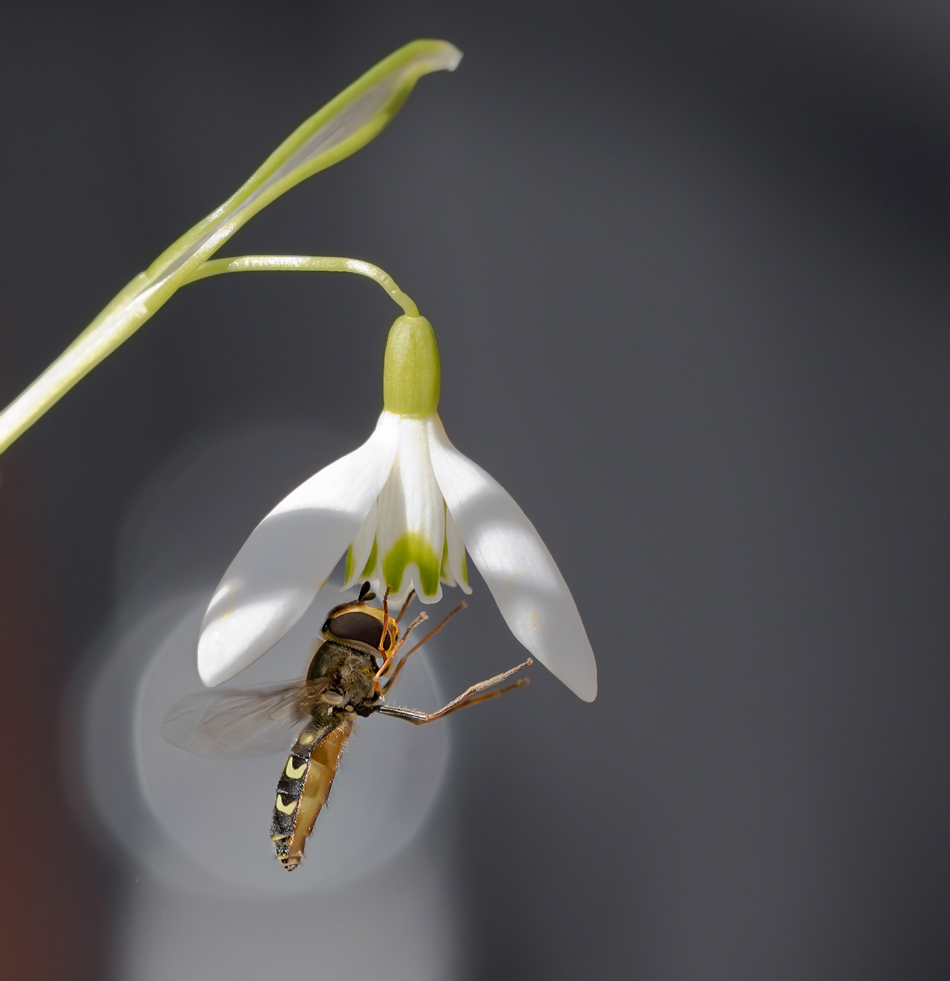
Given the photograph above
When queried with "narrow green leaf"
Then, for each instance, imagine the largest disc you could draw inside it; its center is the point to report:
(341, 127)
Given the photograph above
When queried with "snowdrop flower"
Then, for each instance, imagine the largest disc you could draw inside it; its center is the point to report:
(404, 507)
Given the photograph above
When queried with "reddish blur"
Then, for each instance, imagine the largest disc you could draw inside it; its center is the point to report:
(51, 894)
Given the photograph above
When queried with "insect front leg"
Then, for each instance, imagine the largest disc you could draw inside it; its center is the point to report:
(384, 653)
(471, 696)
(405, 605)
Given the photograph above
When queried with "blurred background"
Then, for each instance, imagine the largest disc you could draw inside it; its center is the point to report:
(687, 263)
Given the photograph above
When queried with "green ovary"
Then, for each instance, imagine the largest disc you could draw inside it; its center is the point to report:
(412, 547)
(411, 372)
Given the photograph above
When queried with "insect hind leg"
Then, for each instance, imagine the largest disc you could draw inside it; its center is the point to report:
(471, 696)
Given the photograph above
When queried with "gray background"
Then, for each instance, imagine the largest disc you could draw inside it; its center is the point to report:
(688, 268)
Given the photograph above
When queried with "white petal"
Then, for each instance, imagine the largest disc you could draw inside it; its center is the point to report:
(361, 549)
(528, 588)
(458, 567)
(280, 568)
(410, 522)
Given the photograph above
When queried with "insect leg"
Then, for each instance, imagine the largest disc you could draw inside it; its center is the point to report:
(387, 656)
(386, 619)
(471, 696)
(431, 633)
(405, 606)
(397, 647)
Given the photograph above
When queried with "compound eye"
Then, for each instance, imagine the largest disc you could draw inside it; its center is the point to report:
(356, 626)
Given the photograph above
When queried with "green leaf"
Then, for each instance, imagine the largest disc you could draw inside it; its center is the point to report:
(341, 127)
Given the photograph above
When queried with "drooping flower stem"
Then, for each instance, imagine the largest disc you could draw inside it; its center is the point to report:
(309, 263)
(346, 123)
(411, 368)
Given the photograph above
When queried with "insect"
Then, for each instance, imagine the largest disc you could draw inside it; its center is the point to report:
(351, 673)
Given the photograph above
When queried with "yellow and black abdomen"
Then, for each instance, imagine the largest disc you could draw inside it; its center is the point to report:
(305, 785)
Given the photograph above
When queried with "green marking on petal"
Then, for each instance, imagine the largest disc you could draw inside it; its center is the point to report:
(444, 573)
(412, 547)
(464, 568)
(350, 562)
(370, 566)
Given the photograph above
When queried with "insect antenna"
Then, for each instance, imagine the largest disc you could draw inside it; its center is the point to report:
(428, 636)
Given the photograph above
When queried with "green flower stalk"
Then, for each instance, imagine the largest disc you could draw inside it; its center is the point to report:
(340, 128)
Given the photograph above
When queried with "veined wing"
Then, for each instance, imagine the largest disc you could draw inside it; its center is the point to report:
(244, 723)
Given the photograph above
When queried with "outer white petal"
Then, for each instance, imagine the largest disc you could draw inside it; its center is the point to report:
(411, 509)
(518, 569)
(456, 548)
(362, 548)
(280, 568)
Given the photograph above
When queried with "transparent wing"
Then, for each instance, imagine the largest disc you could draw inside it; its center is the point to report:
(244, 723)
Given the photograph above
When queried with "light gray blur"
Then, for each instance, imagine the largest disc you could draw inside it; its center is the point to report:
(687, 265)
(200, 885)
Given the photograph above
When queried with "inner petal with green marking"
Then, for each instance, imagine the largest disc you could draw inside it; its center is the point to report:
(412, 549)
(410, 518)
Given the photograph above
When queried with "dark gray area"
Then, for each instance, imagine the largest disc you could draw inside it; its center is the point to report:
(687, 264)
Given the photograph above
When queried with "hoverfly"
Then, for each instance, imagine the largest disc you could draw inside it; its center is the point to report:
(351, 673)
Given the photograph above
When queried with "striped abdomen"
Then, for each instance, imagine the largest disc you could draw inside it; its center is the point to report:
(305, 785)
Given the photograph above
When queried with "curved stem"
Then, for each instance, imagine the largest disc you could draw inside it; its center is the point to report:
(349, 121)
(308, 263)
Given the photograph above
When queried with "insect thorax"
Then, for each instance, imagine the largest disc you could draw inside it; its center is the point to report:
(349, 670)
